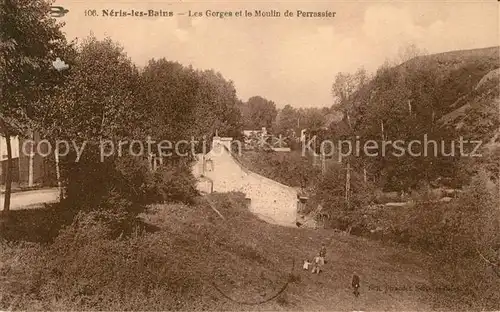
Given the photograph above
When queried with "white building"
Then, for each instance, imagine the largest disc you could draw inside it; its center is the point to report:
(26, 170)
(14, 143)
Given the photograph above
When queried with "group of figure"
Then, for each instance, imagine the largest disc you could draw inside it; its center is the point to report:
(318, 262)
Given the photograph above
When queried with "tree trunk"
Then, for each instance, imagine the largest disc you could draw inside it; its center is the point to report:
(150, 162)
(203, 163)
(348, 185)
(58, 174)
(31, 161)
(8, 172)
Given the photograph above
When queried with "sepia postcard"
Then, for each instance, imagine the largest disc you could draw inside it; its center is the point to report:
(249, 155)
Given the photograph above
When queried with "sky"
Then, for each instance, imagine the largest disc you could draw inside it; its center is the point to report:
(288, 60)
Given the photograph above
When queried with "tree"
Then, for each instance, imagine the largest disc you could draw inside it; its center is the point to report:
(259, 112)
(408, 52)
(29, 41)
(287, 119)
(170, 97)
(184, 103)
(312, 118)
(217, 98)
(330, 192)
(398, 103)
(99, 101)
(346, 84)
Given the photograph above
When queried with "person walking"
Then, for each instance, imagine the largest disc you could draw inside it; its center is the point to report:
(317, 264)
(306, 265)
(322, 254)
(355, 284)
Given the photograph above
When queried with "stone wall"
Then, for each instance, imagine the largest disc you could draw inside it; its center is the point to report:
(270, 200)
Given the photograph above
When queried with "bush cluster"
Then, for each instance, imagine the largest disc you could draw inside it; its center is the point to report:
(88, 268)
(174, 184)
(464, 233)
(329, 191)
(126, 185)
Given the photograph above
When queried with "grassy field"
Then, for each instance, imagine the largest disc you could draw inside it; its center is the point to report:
(176, 266)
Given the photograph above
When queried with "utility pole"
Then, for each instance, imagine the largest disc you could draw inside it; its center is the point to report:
(365, 173)
(348, 185)
(323, 163)
(58, 173)
(155, 163)
(150, 162)
(382, 129)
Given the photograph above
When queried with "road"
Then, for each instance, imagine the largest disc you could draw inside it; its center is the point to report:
(22, 200)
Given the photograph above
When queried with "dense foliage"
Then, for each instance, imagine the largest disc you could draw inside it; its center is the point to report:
(29, 42)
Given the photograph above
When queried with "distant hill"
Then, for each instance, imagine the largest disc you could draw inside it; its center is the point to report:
(446, 95)
(458, 73)
(475, 114)
(469, 92)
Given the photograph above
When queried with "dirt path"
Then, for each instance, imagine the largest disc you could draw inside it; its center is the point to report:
(21, 200)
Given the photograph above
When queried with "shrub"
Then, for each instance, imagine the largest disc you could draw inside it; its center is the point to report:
(123, 184)
(458, 227)
(426, 228)
(39, 224)
(477, 214)
(86, 268)
(329, 190)
(175, 184)
(461, 233)
(126, 185)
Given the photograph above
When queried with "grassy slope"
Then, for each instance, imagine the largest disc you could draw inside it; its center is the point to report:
(250, 260)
